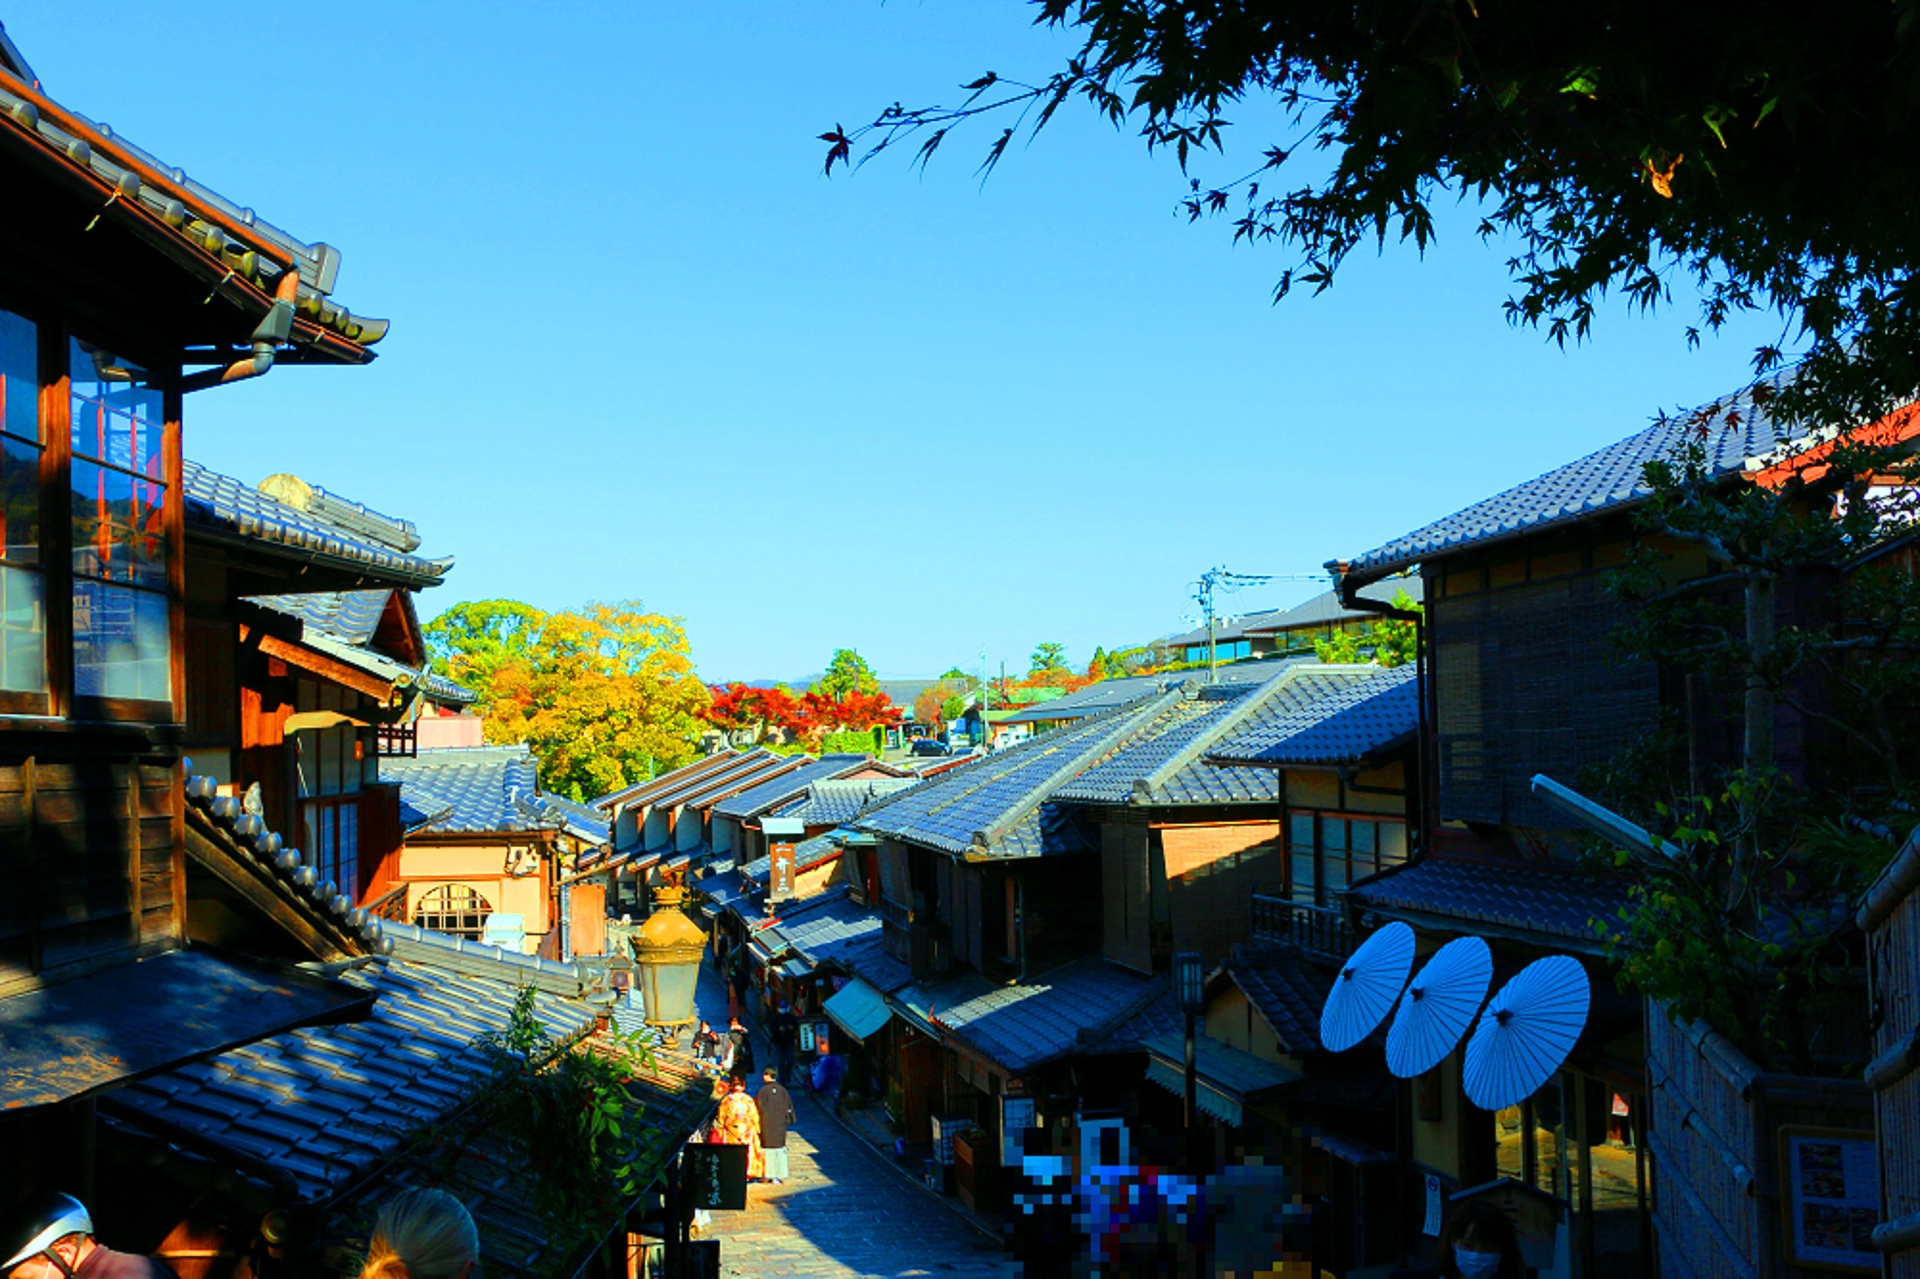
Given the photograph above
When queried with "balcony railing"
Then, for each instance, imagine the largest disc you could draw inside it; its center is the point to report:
(1321, 930)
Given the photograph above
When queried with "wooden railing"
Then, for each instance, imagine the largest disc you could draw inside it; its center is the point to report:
(1322, 930)
(391, 904)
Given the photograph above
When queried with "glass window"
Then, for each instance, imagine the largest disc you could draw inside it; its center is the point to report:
(1300, 847)
(333, 843)
(23, 619)
(1393, 843)
(454, 909)
(1362, 836)
(122, 639)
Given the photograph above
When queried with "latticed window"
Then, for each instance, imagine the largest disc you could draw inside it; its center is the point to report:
(454, 909)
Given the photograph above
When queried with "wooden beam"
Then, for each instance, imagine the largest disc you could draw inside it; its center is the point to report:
(320, 664)
(267, 895)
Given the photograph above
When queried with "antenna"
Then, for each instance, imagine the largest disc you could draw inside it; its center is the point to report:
(1225, 581)
(1439, 1006)
(1526, 1032)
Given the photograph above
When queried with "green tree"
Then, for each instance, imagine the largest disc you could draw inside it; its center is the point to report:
(1762, 157)
(954, 672)
(1390, 641)
(1048, 657)
(604, 694)
(848, 672)
(470, 642)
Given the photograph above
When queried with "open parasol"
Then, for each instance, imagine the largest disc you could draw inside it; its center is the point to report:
(1366, 987)
(1528, 1029)
(1439, 1006)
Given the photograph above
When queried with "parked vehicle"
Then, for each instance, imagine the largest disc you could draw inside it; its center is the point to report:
(930, 746)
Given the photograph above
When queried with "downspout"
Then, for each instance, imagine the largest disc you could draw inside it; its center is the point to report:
(274, 330)
(1348, 591)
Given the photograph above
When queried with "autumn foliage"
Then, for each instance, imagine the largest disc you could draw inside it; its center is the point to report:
(765, 712)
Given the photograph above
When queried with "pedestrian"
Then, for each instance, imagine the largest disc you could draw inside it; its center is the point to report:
(1479, 1242)
(737, 983)
(828, 1070)
(739, 1124)
(775, 1105)
(706, 1044)
(50, 1236)
(422, 1234)
(784, 1030)
(742, 1062)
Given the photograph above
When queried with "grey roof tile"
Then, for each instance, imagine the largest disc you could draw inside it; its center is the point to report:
(1557, 903)
(836, 803)
(353, 616)
(1327, 715)
(825, 929)
(1318, 611)
(1287, 989)
(1608, 478)
(1004, 798)
(486, 788)
(1024, 1026)
(221, 506)
(754, 801)
(1109, 693)
(1186, 725)
(807, 853)
(871, 963)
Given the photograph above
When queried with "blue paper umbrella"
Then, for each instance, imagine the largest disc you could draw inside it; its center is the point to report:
(1366, 987)
(1528, 1029)
(1439, 1006)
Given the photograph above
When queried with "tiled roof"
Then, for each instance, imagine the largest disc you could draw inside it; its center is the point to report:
(1523, 898)
(1109, 693)
(744, 769)
(807, 853)
(242, 254)
(870, 962)
(1024, 1026)
(353, 616)
(1611, 477)
(1327, 715)
(1326, 606)
(673, 780)
(221, 506)
(1287, 989)
(998, 805)
(1174, 742)
(756, 800)
(487, 788)
(839, 802)
(1157, 1014)
(336, 1108)
(824, 930)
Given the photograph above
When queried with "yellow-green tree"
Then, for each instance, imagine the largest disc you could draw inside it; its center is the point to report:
(603, 695)
(1389, 641)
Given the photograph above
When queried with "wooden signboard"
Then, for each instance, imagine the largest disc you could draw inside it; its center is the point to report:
(715, 1176)
(780, 872)
(1831, 1196)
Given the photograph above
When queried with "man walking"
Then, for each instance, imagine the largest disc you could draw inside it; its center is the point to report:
(776, 1112)
(741, 1063)
(784, 1029)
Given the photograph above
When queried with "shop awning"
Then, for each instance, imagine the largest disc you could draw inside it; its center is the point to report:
(1226, 1077)
(858, 1009)
(67, 1041)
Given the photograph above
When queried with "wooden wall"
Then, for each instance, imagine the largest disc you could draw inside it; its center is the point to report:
(90, 849)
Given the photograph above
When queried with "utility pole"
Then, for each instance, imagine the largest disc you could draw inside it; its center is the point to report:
(1224, 580)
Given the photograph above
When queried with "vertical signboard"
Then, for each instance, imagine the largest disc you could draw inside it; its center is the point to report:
(781, 833)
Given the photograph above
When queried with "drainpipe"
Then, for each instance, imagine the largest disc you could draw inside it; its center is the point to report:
(1348, 590)
(272, 331)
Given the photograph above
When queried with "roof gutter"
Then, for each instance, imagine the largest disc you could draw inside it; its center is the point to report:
(274, 330)
(1347, 586)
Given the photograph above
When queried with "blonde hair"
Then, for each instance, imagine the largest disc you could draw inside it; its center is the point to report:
(421, 1234)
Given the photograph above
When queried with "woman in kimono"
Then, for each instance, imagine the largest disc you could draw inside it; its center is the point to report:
(739, 1123)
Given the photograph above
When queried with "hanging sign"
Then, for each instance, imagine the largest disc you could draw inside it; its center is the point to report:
(1832, 1198)
(1431, 1226)
(781, 833)
(806, 1036)
(1016, 1116)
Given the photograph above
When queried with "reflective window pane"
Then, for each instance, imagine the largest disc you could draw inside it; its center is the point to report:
(117, 416)
(1393, 843)
(1303, 877)
(120, 643)
(119, 528)
(23, 631)
(19, 378)
(19, 501)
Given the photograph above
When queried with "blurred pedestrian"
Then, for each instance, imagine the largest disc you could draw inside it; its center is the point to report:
(51, 1237)
(742, 1061)
(784, 1030)
(739, 1124)
(422, 1234)
(706, 1044)
(1479, 1242)
(828, 1071)
(775, 1105)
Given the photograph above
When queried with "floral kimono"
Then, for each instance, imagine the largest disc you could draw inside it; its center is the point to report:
(739, 1123)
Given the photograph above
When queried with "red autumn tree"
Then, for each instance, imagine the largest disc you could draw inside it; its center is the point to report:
(741, 708)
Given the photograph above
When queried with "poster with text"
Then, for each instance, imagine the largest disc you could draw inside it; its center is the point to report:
(1833, 1198)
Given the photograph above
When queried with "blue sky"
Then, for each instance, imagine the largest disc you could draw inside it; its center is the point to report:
(643, 349)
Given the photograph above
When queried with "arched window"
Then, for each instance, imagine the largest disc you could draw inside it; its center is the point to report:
(454, 909)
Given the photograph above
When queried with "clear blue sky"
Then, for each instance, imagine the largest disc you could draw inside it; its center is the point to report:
(643, 349)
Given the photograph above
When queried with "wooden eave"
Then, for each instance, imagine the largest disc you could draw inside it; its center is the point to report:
(327, 667)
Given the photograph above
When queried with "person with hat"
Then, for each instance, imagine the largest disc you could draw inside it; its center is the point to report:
(784, 1029)
(50, 1236)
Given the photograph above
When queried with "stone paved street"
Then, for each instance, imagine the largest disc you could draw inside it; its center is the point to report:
(845, 1212)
